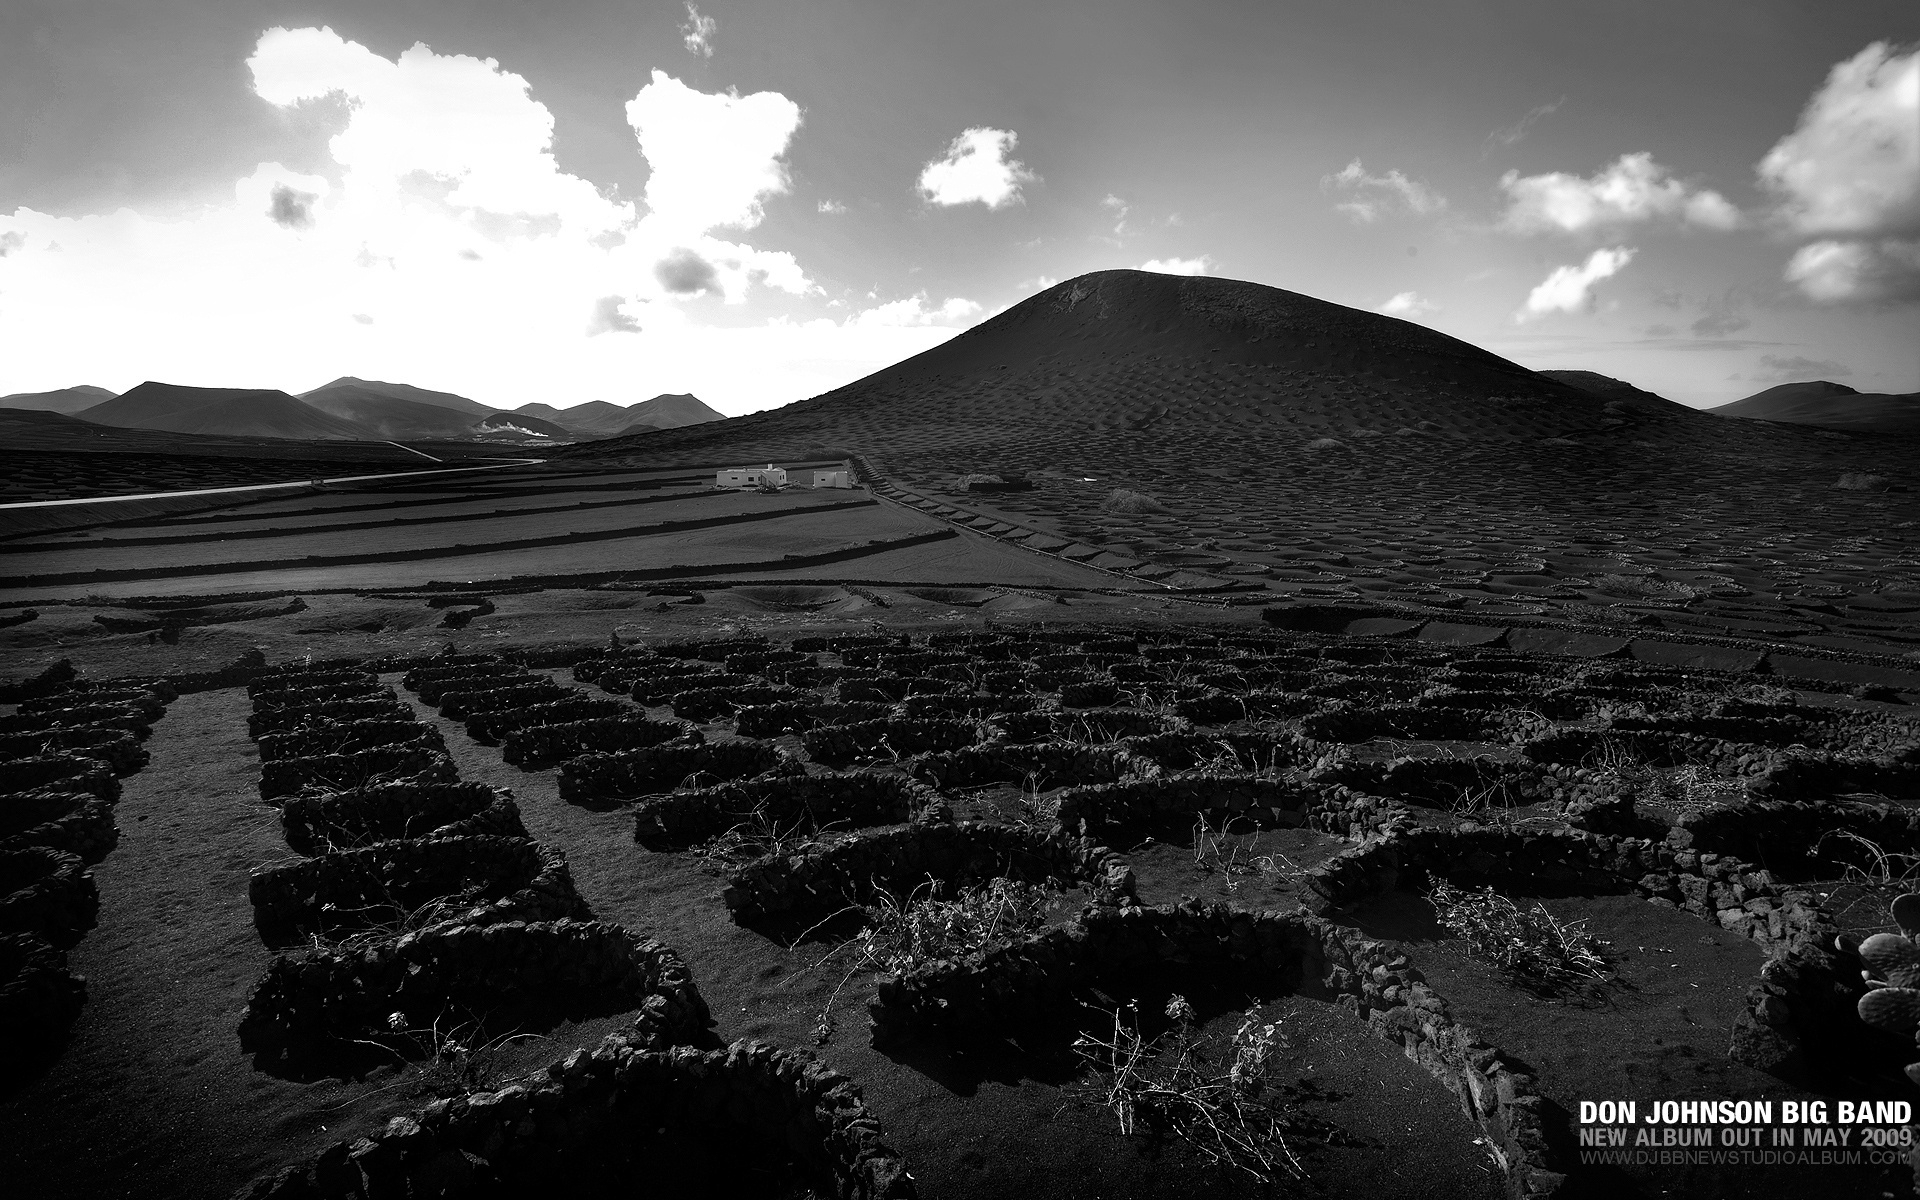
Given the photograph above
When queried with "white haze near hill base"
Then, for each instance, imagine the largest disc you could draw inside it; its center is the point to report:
(450, 235)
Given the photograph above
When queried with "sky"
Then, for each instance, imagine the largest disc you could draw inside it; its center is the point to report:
(760, 201)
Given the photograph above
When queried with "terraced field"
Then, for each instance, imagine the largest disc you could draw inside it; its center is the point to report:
(490, 918)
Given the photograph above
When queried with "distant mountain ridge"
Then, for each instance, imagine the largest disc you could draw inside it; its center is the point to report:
(64, 400)
(234, 412)
(1830, 405)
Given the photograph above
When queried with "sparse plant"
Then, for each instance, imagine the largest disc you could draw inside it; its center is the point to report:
(1881, 867)
(1172, 1086)
(1217, 850)
(1037, 810)
(761, 835)
(1530, 946)
(1124, 500)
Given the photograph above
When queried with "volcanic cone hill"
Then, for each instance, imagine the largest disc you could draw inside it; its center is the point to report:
(599, 419)
(347, 387)
(390, 416)
(232, 412)
(64, 400)
(1227, 427)
(1829, 405)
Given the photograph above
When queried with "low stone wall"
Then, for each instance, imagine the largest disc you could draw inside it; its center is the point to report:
(503, 977)
(899, 859)
(79, 823)
(499, 695)
(103, 716)
(855, 799)
(1818, 775)
(339, 772)
(1345, 721)
(614, 1113)
(362, 688)
(661, 688)
(348, 737)
(490, 727)
(291, 679)
(1189, 749)
(1046, 764)
(47, 893)
(629, 773)
(539, 747)
(119, 749)
(380, 706)
(39, 999)
(398, 809)
(705, 704)
(149, 699)
(402, 808)
(1113, 724)
(1033, 982)
(997, 708)
(795, 716)
(434, 684)
(1133, 809)
(897, 736)
(1790, 836)
(1445, 782)
(477, 880)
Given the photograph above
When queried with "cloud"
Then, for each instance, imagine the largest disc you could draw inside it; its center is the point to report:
(832, 208)
(1513, 134)
(10, 241)
(914, 311)
(1119, 209)
(697, 33)
(1375, 196)
(1633, 190)
(1179, 266)
(1798, 369)
(1849, 175)
(714, 157)
(685, 273)
(979, 168)
(290, 209)
(1857, 272)
(1569, 289)
(607, 318)
(1659, 331)
(1408, 305)
(1719, 324)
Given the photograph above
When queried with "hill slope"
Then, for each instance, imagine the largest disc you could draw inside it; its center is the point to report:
(230, 412)
(1620, 392)
(1830, 405)
(348, 386)
(599, 419)
(671, 410)
(390, 416)
(65, 400)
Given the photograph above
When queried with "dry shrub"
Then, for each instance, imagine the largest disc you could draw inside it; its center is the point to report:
(966, 481)
(1122, 500)
(1326, 443)
(1530, 947)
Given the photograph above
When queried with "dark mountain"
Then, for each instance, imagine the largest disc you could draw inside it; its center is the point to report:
(230, 412)
(514, 424)
(1620, 392)
(1133, 363)
(1831, 406)
(390, 416)
(348, 387)
(66, 400)
(598, 418)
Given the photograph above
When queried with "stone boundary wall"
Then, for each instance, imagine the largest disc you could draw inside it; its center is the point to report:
(387, 707)
(1051, 764)
(896, 860)
(339, 772)
(796, 716)
(1135, 808)
(968, 705)
(104, 716)
(402, 808)
(119, 749)
(1033, 981)
(325, 1001)
(855, 798)
(1113, 724)
(1818, 774)
(348, 737)
(39, 999)
(490, 727)
(661, 688)
(433, 684)
(526, 1136)
(897, 736)
(1577, 747)
(541, 747)
(480, 697)
(705, 704)
(79, 823)
(304, 696)
(625, 774)
(48, 893)
(1346, 721)
(148, 699)
(480, 880)
(1784, 833)
(268, 683)
(1442, 782)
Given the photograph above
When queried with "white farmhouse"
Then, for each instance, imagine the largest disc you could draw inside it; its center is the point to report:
(838, 477)
(747, 477)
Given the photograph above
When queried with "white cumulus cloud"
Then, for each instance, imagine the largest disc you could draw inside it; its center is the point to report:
(979, 168)
(1634, 190)
(1179, 266)
(1849, 175)
(1569, 289)
(915, 311)
(1376, 196)
(714, 157)
(1409, 305)
(696, 33)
